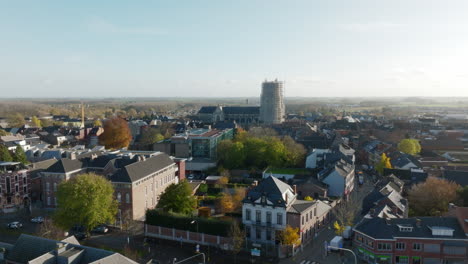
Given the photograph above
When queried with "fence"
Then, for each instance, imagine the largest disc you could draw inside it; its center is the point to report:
(187, 236)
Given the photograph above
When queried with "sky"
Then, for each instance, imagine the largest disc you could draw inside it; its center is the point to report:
(223, 48)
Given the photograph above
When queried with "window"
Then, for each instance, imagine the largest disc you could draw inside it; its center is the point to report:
(311, 214)
(47, 186)
(401, 259)
(247, 214)
(48, 200)
(315, 211)
(247, 231)
(16, 178)
(416, 260)
(55, 186)
(24, 190)
(307, 217)
(369, 243)
(302, 220)
(55, 201)
(417, 246)
(24, 180)
(384, 246)
(400, 246)
(119, 197)
(268, 218)
(127, 198)
(359, 238)
(268, 235)
(258, 216)
(258, 233)
(279, 218)
(434, 248)
(16, 188)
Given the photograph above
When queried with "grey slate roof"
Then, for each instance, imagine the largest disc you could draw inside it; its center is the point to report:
(207, 109)
(272, 188)
(65, 165)
(28, 248)
(299, 206)
(248, 110)
(459, 177)
(380, 228)
(138, 170)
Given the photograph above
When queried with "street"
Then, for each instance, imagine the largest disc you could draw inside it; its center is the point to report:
(315, 251)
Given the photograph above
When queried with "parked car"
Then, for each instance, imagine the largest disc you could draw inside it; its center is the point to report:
(80, 235)
(14, 225)
(38, 219)
(100, 229)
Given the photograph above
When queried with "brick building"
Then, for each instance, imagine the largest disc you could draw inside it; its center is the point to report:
(14, 186)
(424, 240)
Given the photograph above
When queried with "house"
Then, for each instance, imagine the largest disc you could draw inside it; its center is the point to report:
(14, 186)
(339, 178)
(38, 250)
(424, 240)
(138, 185)
(272, 205)
(386, 200)
(459, 177)
(238, 114)
(35, 179)
(196, 143)
(403, 161)
(409, 177)
(62, 170)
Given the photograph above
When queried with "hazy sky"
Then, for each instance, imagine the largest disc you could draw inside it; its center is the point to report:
(227, 48)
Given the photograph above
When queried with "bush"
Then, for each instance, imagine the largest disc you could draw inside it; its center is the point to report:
(182, 222)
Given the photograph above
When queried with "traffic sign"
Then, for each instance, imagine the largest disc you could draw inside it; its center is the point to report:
(255, 252)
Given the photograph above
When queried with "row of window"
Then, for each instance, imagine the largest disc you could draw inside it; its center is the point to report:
(305, 218)
(8, 184)
(48, 186)
(268, 218)
(119, 197)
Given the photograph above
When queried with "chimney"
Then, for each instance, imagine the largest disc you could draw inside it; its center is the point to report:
(60, 247)
(295, 188)
(418, 222)
(395, 210)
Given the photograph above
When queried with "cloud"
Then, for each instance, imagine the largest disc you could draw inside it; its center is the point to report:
(371, 26)
(98, 24)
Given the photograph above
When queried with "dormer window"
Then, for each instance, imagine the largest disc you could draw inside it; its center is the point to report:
(441, 231)
(405, 228)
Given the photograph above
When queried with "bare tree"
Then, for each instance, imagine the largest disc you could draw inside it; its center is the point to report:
(345, 212)
(237, 239)
(49, 230)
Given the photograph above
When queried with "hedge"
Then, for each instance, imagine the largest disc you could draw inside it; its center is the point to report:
(182, 222)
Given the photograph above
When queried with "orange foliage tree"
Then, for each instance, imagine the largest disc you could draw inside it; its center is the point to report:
(116, 133)
(431, 198)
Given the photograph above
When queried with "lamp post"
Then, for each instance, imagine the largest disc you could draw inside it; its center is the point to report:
(193, 222)
(345, 249)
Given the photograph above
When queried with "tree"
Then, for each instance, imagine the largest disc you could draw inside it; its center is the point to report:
(20, 156)
(231, 154)
(48, 229)
(116, 134)
(409, 146)
(5, 154)
(223, 180)
(261, 132)
(431, 198)
(463, 195)
(36, 121)
(151, 136)
(3, 133)
(203, 188)
(87, 199)
(339, 229)
(290, 237)
(346, 211)
(16, 120)
(226, 203)
(97, 123)
(237, 198)
(383, 163)
(178, 198)
(295, 152)
(237, 237)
